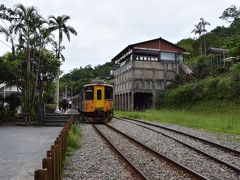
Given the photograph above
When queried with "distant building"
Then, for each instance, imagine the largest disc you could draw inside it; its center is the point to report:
(145, 69)
(6, 90)
(217, 56)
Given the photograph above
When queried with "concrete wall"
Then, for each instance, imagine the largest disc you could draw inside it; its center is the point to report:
(149, 77)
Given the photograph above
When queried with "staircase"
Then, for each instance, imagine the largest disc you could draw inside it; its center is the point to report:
(186, 69)
(55, 120)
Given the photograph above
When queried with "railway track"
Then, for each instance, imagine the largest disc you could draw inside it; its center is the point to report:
(127, 149)
(203, 144)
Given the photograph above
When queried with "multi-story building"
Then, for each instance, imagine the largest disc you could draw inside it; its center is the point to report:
(144, 70)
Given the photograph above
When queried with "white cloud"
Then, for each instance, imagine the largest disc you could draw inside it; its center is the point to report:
(105, 27)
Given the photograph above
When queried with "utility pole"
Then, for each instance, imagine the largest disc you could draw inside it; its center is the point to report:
(4, 95)
(57, 93)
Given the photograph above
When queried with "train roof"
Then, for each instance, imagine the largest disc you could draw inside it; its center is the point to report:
(97, 84)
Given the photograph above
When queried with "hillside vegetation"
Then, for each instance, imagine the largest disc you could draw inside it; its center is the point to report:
(208, 83)
(79, 77)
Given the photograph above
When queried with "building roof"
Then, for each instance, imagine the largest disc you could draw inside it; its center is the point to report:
(135, 44)
(217, 50)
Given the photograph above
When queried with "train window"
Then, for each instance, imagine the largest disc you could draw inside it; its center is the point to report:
(89, 93)
(108, 92)
(99, 94)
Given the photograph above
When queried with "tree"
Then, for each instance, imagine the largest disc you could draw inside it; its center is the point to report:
(230, 14)
(200, 29)
(204, 23)
(25, 25)
(29, 57)
(8, 32)
(59, 23)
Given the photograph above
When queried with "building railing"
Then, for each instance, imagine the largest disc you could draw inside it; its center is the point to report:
(52, 165)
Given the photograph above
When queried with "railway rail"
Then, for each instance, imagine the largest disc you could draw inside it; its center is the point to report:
(231, 153)
(170, 163)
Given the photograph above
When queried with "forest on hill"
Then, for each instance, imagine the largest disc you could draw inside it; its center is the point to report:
(79, 77)
(210, 83)
(206, 82)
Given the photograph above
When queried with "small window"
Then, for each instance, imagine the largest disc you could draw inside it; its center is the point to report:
(99, 94)
(168, 56)
(108, 92)
(89, 93)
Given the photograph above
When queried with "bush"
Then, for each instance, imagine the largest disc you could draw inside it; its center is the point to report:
(73, 139)
(220, 88)
(50, 107)
(13, 101)
(7, 115)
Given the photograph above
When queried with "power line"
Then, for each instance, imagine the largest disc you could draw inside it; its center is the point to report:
(4, 23)
(14, 37)
(5, 44)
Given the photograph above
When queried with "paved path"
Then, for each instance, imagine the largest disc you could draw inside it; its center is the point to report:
(22, 150)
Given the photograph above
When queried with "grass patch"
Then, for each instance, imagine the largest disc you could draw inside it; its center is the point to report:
(212, 116)
(73, 139)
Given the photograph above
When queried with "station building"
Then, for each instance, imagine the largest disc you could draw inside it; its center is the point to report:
(143, 71)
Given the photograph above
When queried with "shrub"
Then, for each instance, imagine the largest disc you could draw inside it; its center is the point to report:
(50, 107)
(73, 139)
(13, 101)
(7, 115)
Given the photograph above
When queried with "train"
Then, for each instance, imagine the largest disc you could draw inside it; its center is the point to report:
(95, 102)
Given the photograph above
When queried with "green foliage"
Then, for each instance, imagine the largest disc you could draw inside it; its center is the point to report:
(49, 90)
(188, 45)
(29, 57)
(13, 101)
(230, 13)
(50, 107)
(7, 115)
(220, 37)
(9, 69)
(73, 138)
(213, 116)
(235, 51)
(200, 66)
(77, 78)
(221, 87)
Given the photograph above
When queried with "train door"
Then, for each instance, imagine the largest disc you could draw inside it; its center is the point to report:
(99, 97)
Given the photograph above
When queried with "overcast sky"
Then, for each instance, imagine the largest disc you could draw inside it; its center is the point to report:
(105, 27)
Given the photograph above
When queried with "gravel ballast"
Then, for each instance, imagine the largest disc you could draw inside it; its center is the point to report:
(95, 160)
(217, 152)
(177, 151)
(147, 162)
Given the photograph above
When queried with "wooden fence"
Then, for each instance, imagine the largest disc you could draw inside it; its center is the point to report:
(52, 165)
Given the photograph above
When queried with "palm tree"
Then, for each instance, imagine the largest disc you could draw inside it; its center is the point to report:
(59, 23)
(198, 30)
(55, 50)
(25, 26)
(204, 23)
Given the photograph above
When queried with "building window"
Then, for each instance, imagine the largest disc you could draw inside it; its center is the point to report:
(168, 56)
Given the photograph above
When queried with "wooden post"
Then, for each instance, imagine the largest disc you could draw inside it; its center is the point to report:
(50, 156)
(40, 174)
(54, 162)
(59, 143)
(47, 164)
(57, 161)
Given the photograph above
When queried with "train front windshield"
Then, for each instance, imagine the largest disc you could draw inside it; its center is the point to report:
(89, 93)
